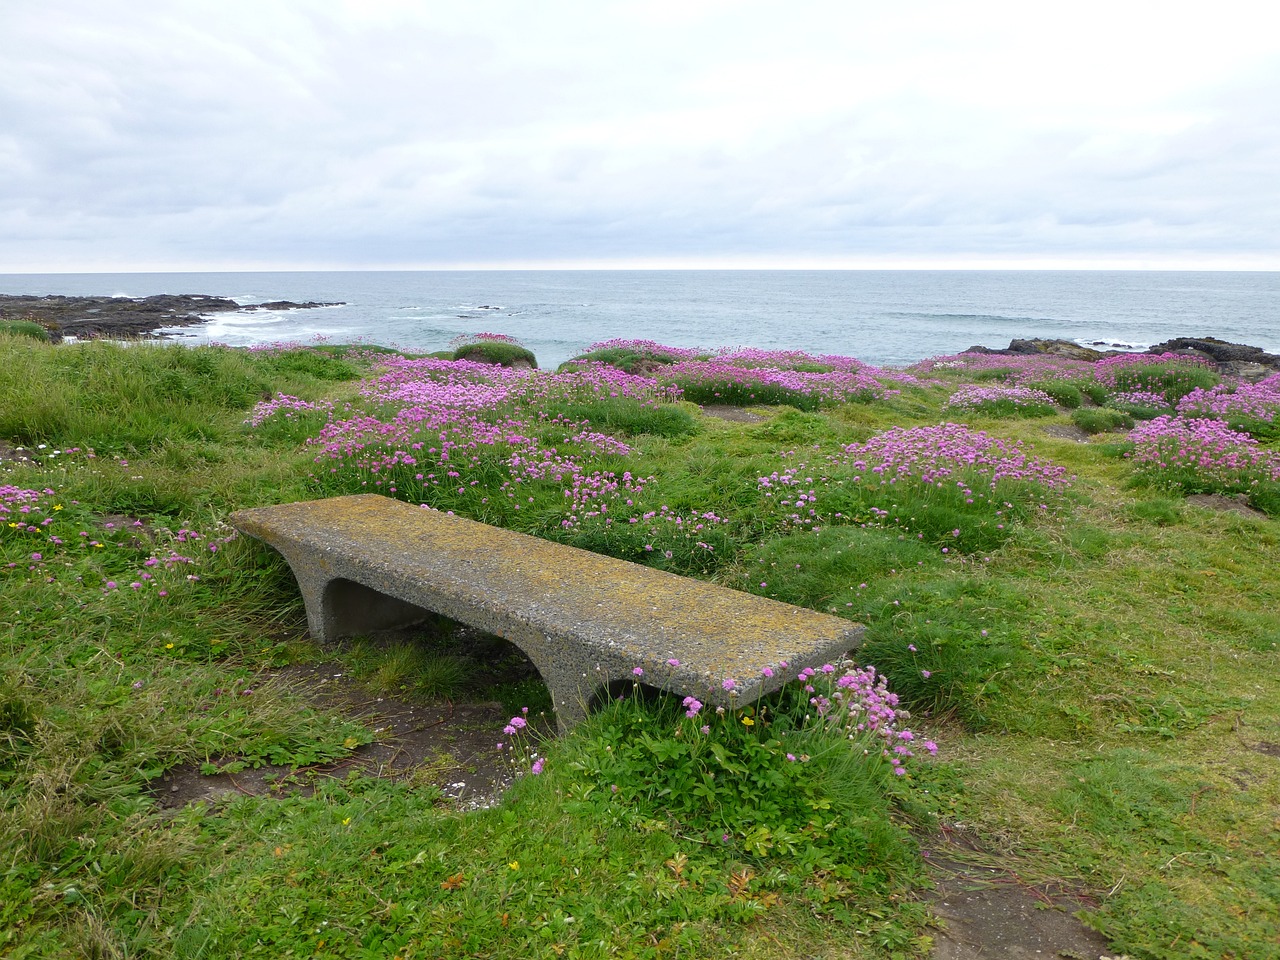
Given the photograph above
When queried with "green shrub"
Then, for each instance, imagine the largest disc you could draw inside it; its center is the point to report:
(1096, 392)
(1172, 379)
(498, 352)
(1162, 511)
(626, 416)
(1063, 393)
(843, 570)
(23, 328)
(1101, 419)
(628, 359)
(774, 780)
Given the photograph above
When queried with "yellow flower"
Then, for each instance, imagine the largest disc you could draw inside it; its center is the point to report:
(57, 506)
(514, 864)
(747, 721)
(168, 646)
(346, 822)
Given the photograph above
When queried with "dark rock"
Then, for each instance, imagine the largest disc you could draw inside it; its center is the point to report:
(288, 305)
(89, 318)
(1232, 359)
(1236, 359)
(1212, 347)
(1058, 348)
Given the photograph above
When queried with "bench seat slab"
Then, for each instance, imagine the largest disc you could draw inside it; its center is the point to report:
(368, 562)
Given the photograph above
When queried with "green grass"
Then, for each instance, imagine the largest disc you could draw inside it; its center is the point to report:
(1101, 419)
(495, 351)
(23, 328)
(1100, 677)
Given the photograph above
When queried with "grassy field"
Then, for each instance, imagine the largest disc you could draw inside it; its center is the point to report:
(1091, 643)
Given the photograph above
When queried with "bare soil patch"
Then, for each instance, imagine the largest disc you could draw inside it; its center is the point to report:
(988, 911)
(724, 411)
(1223, 503)
(452, 746)
(9, 452)
(1063, 431)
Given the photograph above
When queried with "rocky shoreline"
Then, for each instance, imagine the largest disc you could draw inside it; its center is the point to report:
(1232, 359)
(93, 318)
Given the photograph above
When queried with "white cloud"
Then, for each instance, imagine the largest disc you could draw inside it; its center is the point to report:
(400, 133)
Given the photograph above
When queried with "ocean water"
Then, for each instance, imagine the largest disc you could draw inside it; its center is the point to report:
(883, 317)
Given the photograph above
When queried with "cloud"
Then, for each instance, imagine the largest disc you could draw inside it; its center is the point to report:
(239, 134)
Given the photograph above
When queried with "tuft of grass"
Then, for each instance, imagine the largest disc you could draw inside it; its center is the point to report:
(1101, 419)
(23, 328)
(1063, 392)
(497, 352)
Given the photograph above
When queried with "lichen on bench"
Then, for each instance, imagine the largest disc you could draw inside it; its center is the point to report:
(586, 621)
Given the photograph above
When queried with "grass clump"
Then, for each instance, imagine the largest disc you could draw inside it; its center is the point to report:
(1101, 419)
(644, 357)
(1064, 393)
(1001, 401)
(494, 348)
(1169, 376)
(23, 328)
(1205, 456)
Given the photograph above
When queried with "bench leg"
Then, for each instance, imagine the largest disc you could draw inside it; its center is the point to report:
(338, 608)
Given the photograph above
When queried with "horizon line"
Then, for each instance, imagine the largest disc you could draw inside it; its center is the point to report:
(1138, 266)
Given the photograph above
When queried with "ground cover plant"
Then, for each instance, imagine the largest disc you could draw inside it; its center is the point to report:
(1092, 657)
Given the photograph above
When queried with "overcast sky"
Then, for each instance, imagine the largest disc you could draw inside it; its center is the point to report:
(313, 134)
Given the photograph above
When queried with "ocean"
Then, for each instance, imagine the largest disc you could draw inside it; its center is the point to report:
(883, 317)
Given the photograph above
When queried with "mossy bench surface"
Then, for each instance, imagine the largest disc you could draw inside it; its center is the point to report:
(586, 621)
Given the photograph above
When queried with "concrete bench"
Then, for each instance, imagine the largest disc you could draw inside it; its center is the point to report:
(367, 563)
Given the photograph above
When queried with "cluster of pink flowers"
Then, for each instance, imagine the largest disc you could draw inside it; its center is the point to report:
(1168, 446)
(1016, 368)
(1110, 371)
(51, 534)
(936, 454)
(1139, 398)
(284, 405)
(455, 433)
(947, 455)
(1235, 401)
(787, 359)
(974, 396)
(465, 338)
(519, 746)
(862, 703)
(726, 376)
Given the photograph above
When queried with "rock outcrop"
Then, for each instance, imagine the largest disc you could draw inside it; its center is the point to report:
(91, 318)
(1232, 359)
(1235, 359)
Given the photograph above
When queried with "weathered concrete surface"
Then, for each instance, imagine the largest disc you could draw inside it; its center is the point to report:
(586, 621)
